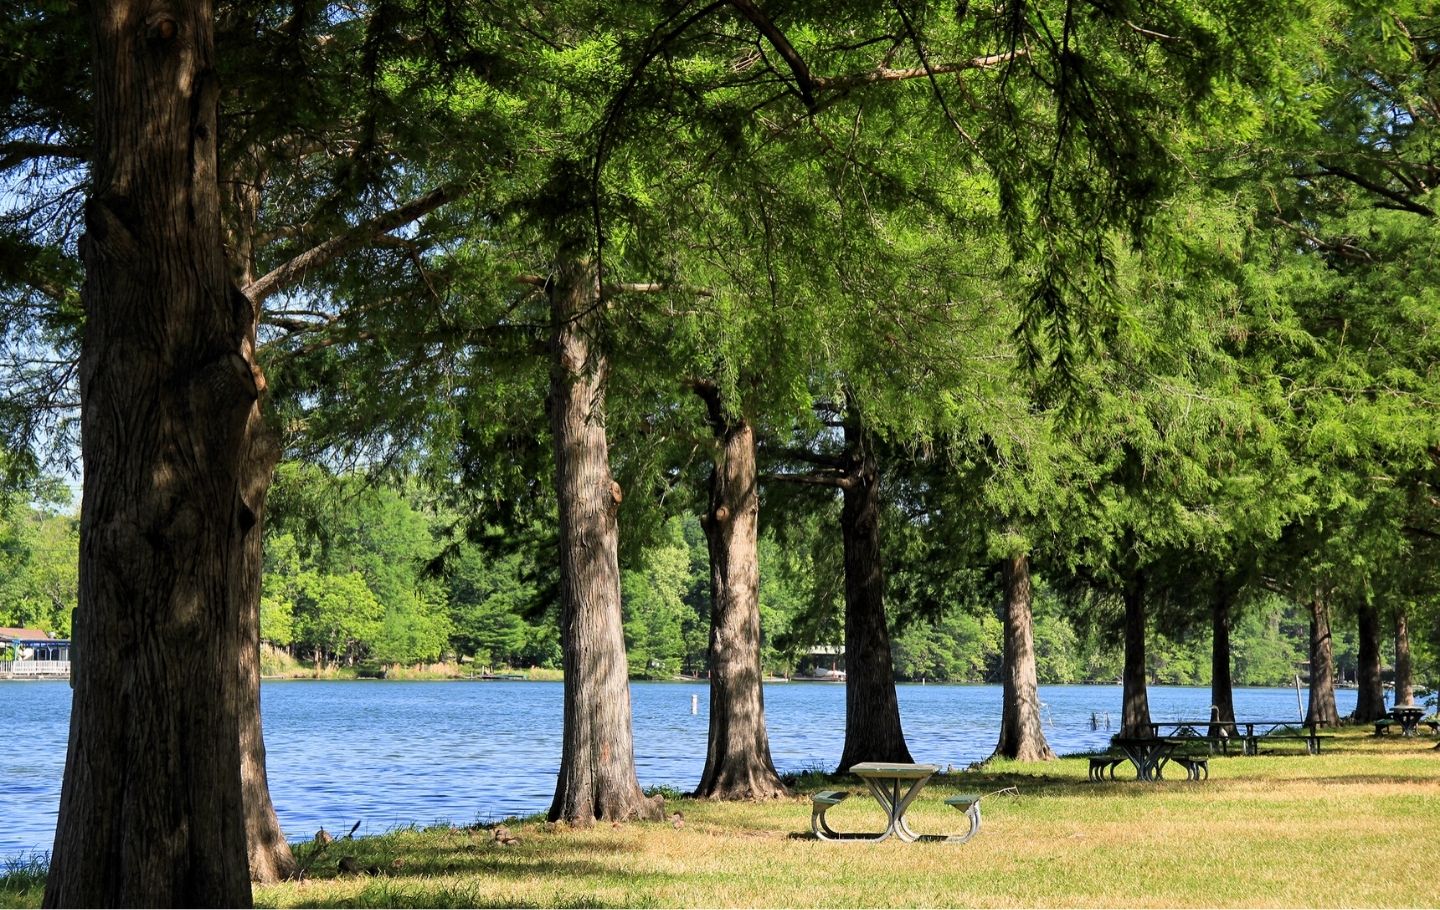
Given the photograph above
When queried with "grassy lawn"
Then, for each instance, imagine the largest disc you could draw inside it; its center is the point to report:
(1282, 830)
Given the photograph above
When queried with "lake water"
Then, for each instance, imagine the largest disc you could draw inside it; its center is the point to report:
(388, 754)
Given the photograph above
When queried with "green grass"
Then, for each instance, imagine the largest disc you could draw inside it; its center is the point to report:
(1277, 829)
(22, 881)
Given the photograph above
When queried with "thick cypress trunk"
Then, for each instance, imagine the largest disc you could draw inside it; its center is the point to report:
(1370, 699)
(737, 762)
(597, 766)
(151, 809)
(1222, 689)
(1404, 669)
(1021, 735)
(872, 711)
(1322, 668)
(1135, 712)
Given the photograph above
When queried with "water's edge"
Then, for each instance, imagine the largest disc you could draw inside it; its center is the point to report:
(416, 753)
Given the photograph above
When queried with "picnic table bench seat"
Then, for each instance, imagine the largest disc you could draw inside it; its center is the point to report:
(1312, 743)
(1197, 767)
(1383, 725)
(1100, 765)
(969, 803)
(821, 803)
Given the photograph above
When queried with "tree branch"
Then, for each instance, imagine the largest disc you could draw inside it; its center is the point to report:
(624, 287)
(837, 481)
(783, 47)
(13, 154)
(1401, 200)
(292, 272)
(886, 74)
(709, 393)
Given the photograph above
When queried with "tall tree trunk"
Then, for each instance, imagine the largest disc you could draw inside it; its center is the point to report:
(1135, 711)
(1222, 689)
(872, 711)
(1404, 669)
(597, 765)
(737, 762)
(1322, 668)
(1021, 735)
(1370, 699)
(270, 857)
(151, 809)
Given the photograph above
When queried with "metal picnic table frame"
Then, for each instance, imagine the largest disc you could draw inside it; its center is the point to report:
(1147, 753)
(894, 786)
(1408, 716)
(885, 780)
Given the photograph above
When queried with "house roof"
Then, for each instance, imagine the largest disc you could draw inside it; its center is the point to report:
(23, 634)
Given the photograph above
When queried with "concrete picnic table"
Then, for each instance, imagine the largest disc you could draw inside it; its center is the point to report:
(894, 786)
(1147, 753)
(1249, 739)
(885, 781)
(1408, 717)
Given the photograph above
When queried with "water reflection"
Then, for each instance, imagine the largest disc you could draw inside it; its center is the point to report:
(388, 754)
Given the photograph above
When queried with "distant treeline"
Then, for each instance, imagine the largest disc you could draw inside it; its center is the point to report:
(362, 574)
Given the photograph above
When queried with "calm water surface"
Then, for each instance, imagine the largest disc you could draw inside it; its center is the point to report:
(388, 754)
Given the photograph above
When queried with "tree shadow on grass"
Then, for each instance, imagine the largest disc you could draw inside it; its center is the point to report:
(458, 878)
(442, 896)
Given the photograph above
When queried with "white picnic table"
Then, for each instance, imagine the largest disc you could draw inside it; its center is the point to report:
(894, 786)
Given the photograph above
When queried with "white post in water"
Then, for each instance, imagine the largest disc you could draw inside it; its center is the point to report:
(694, 704)
(1299, 707)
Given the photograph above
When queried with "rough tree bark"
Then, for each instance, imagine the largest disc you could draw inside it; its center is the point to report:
(1404, 669)
(872, 711)
(1222, 688)
(1370, 699)
(1135, 716)
(737, 763)
(597, 765)
(1322, 668)
(271, 859)
(1021, 735)
(151, 809)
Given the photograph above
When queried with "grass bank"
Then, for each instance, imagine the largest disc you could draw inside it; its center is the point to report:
(1270, 830)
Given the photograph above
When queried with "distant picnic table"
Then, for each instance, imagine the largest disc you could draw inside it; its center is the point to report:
(1147, 753)
(1269, 731)
(1409, 717)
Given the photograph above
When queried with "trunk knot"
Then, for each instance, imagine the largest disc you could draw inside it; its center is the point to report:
(163, 29)
(616, 494)
(721, 514)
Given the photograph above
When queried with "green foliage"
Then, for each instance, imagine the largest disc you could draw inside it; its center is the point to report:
(661, 629)
(336, 614)
(39, 583)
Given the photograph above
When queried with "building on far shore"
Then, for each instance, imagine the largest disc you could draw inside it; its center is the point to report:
(33, 654)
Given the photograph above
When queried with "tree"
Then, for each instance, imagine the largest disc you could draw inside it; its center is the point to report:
(1021, 735)
(872, 713)
(737, 759)
(1370, 699)
(167, 511)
